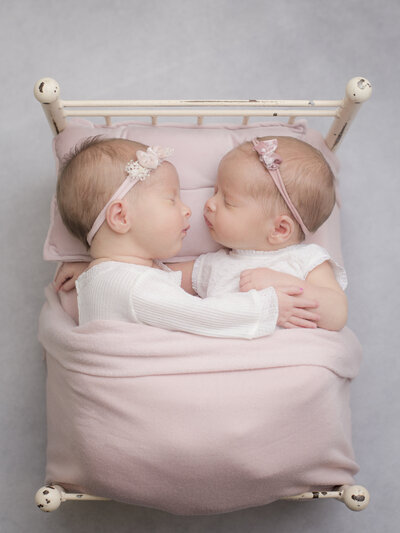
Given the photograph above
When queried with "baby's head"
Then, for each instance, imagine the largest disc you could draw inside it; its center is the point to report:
(99, 195)
(248, 210)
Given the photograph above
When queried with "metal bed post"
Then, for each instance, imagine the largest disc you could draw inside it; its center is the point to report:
(47, 91)
(358, 90)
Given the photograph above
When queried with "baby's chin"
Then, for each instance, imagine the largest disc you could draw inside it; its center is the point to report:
(173, 251)
(223, 242)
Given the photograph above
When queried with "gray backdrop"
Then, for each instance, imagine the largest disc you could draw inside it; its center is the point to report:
(204, 49)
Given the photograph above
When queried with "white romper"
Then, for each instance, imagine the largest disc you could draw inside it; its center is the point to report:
(218, 273)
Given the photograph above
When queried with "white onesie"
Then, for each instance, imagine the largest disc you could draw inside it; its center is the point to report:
(133, 293)
(218, 273)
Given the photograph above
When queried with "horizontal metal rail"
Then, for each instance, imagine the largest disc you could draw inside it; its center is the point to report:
(201, 103)
(200, 113)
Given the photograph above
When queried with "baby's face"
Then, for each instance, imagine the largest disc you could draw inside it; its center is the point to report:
(160, 220)
(235, 219)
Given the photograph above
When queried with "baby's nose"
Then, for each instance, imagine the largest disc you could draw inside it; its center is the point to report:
(210, 204)
(187, 211)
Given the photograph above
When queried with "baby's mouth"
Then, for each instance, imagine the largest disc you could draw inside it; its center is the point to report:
(185, 230)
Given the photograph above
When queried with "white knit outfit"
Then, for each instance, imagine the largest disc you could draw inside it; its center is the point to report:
(134, 293)
(219, 272)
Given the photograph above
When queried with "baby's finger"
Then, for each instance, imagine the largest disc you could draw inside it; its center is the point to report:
(67, 285)
(59, 281)
(291, 291)
(244, 278)
(308, 315)
(245, 287)
(288, 325)
(306, 302)
(302, 323)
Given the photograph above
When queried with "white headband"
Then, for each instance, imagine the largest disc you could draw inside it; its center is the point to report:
(137, 171)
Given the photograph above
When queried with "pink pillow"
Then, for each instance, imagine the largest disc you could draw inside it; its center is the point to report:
(198, 151)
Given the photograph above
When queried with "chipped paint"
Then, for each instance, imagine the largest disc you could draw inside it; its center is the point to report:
(363, 84)
(358, 497)
(340, 135)
(56, 127)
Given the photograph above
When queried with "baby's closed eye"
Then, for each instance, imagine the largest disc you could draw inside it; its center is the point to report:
(229, 203)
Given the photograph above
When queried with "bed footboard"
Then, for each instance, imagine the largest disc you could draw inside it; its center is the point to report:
(355, 497)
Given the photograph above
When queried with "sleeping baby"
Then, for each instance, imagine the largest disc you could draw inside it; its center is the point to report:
(122, 199)
(269, 195)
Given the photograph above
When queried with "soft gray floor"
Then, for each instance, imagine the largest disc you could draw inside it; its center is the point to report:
(199, 50)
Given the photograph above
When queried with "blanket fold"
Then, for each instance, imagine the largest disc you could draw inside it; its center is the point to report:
(119, 349)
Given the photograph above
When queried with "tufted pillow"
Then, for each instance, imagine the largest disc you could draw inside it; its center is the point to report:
(198, 151)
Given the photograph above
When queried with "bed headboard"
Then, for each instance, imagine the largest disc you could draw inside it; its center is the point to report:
(57, 110)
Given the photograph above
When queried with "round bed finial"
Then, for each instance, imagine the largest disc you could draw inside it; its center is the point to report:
(48, 498)
(46, 90)
(355, 497)
(358, 90)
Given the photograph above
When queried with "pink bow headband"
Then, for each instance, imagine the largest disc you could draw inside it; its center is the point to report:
(137, 171)
(271, 160)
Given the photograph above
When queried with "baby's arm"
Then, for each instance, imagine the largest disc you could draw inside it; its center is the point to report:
(186, 269)
(320, 285)
(234, 315)
(292, 310)
(67, 274)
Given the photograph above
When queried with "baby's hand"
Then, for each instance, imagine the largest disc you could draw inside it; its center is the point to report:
(67, 274)
(294, 309)
(259, 278)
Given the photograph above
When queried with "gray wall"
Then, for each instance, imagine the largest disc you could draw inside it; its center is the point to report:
(203, 49)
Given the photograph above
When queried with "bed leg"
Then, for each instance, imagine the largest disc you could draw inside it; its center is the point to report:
(50, 497)
(47, 92)
(355, 497)
(358, 90)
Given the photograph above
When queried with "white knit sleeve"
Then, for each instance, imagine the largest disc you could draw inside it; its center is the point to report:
(158, 302)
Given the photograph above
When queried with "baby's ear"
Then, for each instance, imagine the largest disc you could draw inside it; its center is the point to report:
(282, 230)
(117, 216)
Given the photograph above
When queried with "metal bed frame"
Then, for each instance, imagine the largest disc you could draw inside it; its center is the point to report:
(57, 111)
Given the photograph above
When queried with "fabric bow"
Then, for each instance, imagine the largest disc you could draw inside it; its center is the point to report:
(153, 156)
(147, 161)
(266, 151)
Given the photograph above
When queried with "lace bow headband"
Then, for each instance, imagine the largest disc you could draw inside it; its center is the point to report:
(271, 160)
(136, 171)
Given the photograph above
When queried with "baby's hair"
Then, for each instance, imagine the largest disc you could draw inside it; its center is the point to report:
(88, 177)
(308, 179)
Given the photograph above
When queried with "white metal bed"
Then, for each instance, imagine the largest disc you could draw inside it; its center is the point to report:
(57, 111)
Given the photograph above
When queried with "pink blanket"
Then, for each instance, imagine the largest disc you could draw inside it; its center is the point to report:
(195, 425)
